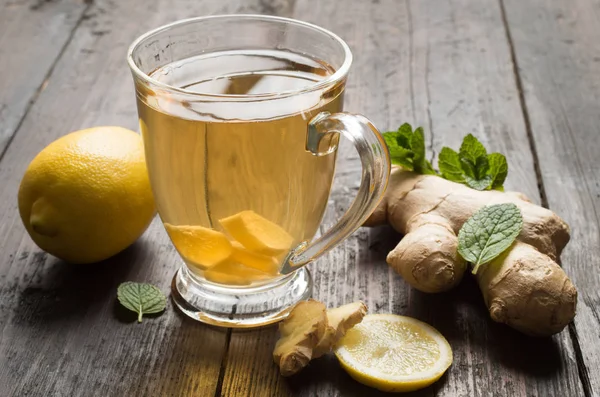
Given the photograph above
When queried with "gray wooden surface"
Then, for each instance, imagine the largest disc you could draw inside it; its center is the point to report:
(523, 76)
(33, 37)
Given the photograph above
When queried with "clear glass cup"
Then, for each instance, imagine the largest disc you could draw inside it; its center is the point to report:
(241, 117)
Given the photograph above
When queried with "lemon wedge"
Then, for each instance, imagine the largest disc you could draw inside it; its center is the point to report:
(394, 353)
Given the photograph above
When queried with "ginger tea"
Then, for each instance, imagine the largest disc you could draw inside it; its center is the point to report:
(233, 182)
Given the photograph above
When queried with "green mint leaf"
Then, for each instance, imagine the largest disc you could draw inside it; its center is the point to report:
(478, 184)
(141, 298)
(488, 233)
(475, 169)
(482, 167)
(467, 167)
(498, 170)
(428, 169)
(471, 149)
(390, 140)
(402, 157)
(450, 166)
(407, 149)
(405, 134)
(417, 143)
(398, 155)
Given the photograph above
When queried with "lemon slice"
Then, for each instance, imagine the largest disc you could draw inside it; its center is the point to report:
(394, 353)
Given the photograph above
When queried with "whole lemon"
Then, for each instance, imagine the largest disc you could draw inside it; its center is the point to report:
(87, 195)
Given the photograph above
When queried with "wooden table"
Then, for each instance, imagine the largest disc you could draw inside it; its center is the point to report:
(524, 76)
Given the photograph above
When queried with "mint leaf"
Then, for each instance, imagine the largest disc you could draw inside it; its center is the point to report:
(488, 233)
(450, 167)
(417, 144)
(478, 184)
(141, 298)
(399, 155)
(474, 163)
(420, 163)
(405, 135)
(407, 149)
(427, 169)
(482, 166)
(471, 149)
(477, 177)
(467, 166)
(498, 170)
(471, 166)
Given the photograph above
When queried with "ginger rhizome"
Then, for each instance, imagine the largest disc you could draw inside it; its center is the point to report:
(249, 250)
(310, 331)
(524, 287)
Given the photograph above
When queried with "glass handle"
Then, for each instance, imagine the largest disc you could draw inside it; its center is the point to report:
(322, 138)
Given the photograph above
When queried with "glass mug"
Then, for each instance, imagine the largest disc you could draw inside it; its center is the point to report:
(241, 118)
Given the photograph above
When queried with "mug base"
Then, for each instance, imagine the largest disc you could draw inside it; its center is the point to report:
(249, 307)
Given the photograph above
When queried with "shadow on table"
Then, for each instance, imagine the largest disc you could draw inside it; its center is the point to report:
(327, 376)
(461, 316)
(191, 357)
(57, 291)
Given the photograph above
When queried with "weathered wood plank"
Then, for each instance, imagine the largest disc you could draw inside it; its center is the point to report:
(415, 61)
(557, 47)
(61, 333)
(477, 93)
(64, 334)
(446, 66)
(32, 35)
(463, 70)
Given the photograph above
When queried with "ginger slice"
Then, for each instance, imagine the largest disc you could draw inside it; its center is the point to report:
(202, 246)
(340, 320)
(300, 332)
(311, 331)
(257, 233)
(233, 273)
(225, 278)
(243, 255)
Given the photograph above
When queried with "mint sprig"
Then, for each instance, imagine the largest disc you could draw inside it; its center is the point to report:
(488, 233)
(498, 170)
(141, 298)
(407, 149)
(472, 165)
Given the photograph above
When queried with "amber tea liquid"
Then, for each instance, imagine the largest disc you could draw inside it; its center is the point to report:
(206, 167)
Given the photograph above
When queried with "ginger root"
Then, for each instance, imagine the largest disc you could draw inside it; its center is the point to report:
(310, 331)
(524, 287)
(256, 233)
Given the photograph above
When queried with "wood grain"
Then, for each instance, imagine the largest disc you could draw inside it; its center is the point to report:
(446, 66)
(557, 46)
(61, 333)
(33, 34)
(463, 70)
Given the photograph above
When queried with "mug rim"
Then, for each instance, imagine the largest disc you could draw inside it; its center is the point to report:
(330, 80)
